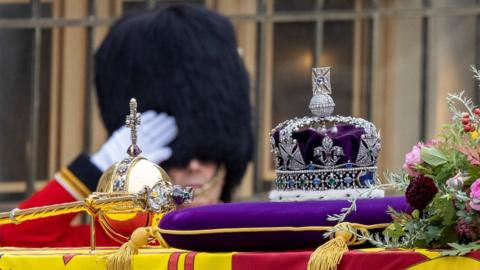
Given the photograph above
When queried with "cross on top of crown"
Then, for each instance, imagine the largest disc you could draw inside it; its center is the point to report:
(133, 120)
(321, 80)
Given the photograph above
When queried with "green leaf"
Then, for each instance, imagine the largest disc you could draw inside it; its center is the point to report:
(416, 214)
(432, 234)
(474, 173)
(442, 211)
(468, 219)
(461, 249)
(394, 231)
(461, 213)
(443, 174)
(449, 215)
(448, 235)
(421, 243)
(433, 156)
(410, 227)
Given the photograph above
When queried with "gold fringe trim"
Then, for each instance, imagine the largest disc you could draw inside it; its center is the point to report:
(123, 258)
(329, 255)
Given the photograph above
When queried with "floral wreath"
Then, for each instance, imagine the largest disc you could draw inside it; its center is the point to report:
(441, 182)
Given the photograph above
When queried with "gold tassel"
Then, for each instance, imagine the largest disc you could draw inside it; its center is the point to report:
(122, 259)
(329, 255)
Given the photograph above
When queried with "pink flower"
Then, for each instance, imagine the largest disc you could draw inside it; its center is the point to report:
(475, 195)
(456, 182)
(432, 142)
(412, 159)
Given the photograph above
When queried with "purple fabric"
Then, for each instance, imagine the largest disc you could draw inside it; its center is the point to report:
(348, 137)
(268, 214)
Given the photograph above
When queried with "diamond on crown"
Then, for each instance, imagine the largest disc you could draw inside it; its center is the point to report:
(321, 80)
(368, 151)
(327, 153)
(291, 155)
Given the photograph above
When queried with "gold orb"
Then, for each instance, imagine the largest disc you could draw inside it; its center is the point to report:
(138, 189)
(133, 175)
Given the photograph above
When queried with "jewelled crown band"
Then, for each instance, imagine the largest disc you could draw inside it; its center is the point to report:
(324, 152)
(342, 178)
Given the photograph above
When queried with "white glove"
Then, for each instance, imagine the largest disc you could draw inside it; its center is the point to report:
(154, 134)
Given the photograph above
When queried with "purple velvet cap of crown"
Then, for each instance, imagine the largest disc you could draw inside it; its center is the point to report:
(268, 214)
(348, 137)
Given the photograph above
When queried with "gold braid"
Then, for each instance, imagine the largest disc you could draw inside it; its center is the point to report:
(91, 205)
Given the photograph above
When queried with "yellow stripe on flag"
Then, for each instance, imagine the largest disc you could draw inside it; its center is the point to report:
(428, 253)
(209, 261)
(150, 261)
(181, 261)
(447, 263)
(78, 262)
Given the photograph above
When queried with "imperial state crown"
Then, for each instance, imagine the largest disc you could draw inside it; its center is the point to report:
(324, 156)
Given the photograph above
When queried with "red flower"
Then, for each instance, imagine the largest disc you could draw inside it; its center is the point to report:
(469, 231)
(420, 192)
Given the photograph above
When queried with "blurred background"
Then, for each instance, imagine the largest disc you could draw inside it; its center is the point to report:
(393, 62)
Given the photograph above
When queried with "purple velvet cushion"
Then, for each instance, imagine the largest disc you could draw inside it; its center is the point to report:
(266, 214)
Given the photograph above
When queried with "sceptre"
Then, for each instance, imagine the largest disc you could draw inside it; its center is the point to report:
(132, 191)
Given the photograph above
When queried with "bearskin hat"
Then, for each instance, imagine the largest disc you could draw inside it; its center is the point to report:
(181, 60)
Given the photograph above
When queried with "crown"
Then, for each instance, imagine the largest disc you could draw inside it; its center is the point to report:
(324, 156)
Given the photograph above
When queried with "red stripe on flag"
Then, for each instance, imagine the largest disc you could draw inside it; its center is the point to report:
(292, 260)
(190, 261)
(173, 261)
(381, 260)
(475, 255)
(352, 260)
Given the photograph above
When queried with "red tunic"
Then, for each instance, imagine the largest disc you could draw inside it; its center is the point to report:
(69, 184)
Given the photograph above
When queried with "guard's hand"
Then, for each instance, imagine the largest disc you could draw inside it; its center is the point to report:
(156, 131)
